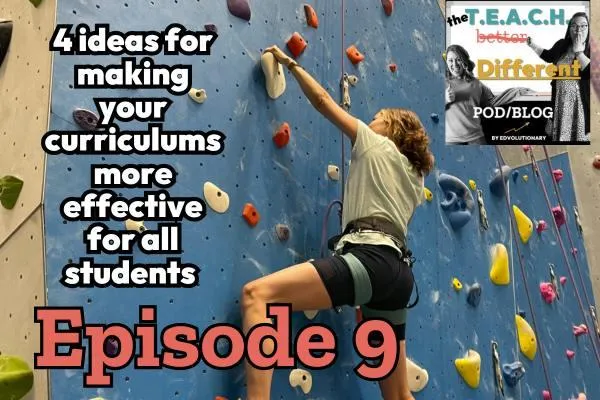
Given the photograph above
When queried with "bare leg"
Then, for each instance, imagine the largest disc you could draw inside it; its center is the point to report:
(395, 386)
(299, 285)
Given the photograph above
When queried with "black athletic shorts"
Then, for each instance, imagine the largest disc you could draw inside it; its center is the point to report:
(374, 277)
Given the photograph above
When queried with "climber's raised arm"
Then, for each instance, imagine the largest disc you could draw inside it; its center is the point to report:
(317, 95)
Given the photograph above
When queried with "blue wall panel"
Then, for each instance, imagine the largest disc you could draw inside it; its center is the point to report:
(291, 186)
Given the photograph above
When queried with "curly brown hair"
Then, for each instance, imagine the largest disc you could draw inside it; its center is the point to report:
(408, 133)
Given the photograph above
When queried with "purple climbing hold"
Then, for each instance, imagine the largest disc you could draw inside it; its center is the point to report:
(111, 347)
(239, 8)
(6, 28)
(86, 119)
(210, 28)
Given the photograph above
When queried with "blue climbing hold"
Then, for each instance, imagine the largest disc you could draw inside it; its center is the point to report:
(497, 184)
(515, 175)
(457, 201)
(513, 372)
(435, 117)
(474, 295)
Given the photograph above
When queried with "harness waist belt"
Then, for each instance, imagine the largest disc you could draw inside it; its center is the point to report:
(375, 224)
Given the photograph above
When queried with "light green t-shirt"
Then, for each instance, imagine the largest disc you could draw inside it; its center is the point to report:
(381, 183)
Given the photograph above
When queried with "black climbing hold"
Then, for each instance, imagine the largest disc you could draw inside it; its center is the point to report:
(497, 184)
(474, 296)
(513, 372)
(210, 28)
(86, 119)
(435, 117)
(111, 347)
(515, 175)
(5, 37)
(522, 314)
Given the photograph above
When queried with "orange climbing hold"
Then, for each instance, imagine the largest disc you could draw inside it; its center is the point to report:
(282, 136)
(311, 16)
(250, 214)
(354, 55)
(220, 398)
(388, 6)
(393, 67)
(296, 44)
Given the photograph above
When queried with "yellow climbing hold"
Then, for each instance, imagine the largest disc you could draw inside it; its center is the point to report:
(524, 224)
(16, 378)
(525, 178)
(527, 340)
(472, 184)
(499, 272)
(456, 284)
(428, 194)
(469, 368)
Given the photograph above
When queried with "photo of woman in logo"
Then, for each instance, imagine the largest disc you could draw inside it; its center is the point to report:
(464, 92)
(570, 97)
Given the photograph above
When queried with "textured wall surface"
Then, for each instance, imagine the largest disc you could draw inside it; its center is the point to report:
(441, 328)
(24, 95)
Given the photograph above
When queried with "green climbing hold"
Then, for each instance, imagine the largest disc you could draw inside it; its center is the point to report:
(16, 378)
(36, 3)
(10, 188)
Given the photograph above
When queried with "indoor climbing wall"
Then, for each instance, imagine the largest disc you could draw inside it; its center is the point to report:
(291, 186)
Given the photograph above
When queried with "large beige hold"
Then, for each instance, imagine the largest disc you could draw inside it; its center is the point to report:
(216, 198)
(417, 376)
(274, 75)
(301, 378)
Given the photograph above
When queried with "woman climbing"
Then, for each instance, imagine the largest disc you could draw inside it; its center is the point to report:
(570, 97)
(371, 267)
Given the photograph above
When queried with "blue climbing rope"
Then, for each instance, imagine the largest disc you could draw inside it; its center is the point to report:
(500, 161)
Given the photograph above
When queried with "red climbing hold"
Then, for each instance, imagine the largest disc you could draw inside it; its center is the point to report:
(546, 395)
(558, 175)
(570, 354)
(596, 162)
(393, 67)
(354, 55)
(580, 330)
(282, 136)
(311, 16)
(388, 6)
(541, 226)
(526, 148)
(239, 8)
(296, 44)
(563, 280)
(250, 214)
(220, 398)
(559, 215)
(548, 293)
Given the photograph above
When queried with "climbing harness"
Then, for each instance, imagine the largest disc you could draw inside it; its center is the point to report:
(389, 229)
(483, 221)
(497, 370)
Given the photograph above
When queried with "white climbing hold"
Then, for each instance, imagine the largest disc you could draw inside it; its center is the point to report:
(217, 199)
(333, 172)
(352, 79)
(274, 76)
(137, 226)
(302, 378)
(417, 376)
(311, 314)
(198, 95)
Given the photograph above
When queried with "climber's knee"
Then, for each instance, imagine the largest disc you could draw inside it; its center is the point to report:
(254, 295)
